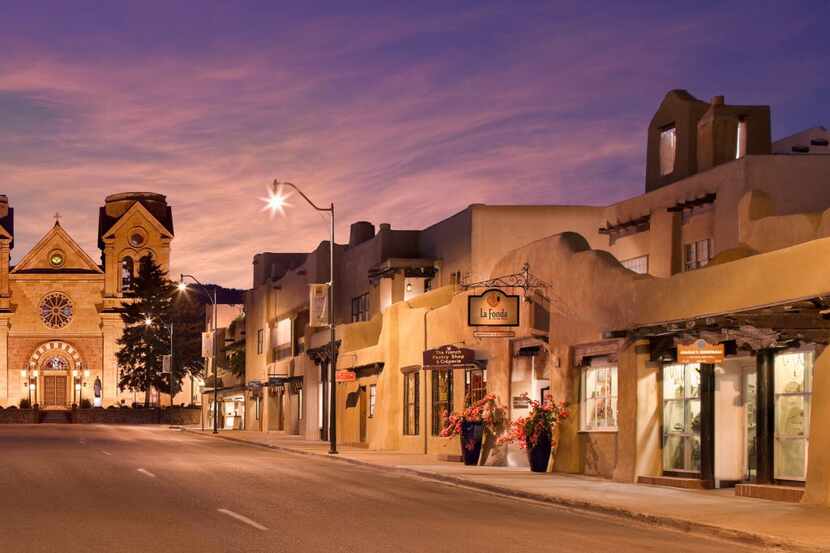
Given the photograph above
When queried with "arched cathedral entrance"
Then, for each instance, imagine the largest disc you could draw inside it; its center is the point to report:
(55, 366)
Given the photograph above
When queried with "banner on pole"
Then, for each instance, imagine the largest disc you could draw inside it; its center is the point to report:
(318, 302)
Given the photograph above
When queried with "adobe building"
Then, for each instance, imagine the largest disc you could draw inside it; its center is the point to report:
(59, 309)
(714, 250)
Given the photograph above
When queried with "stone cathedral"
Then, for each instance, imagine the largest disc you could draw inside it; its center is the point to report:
(59, 309)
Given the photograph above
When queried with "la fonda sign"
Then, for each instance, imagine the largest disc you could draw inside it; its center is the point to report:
(493, 308)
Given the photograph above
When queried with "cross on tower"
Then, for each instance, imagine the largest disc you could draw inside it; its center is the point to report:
(57, 218)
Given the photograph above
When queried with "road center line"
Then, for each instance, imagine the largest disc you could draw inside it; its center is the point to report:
(106, 452)
(147, 473)
(242, 519)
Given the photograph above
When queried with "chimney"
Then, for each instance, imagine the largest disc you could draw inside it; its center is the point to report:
(360, 232)
(385, 226)
(717, 100)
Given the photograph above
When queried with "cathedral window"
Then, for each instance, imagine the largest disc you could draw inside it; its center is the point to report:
(56, 259)
(56, 310)
(126, 274)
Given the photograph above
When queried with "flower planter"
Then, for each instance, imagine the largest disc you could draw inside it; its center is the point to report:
(539, 455)
(472, 435)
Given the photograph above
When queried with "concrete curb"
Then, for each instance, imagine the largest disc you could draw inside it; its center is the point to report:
(685, 525)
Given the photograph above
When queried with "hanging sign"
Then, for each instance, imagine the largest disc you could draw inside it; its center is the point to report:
(493, 308)
(700, 351)
(318, 300)
(345, 376)
(448, 357)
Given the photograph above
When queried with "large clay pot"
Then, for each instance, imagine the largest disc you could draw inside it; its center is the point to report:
(472, 434)
(539, 455)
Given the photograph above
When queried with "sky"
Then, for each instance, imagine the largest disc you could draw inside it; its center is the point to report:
(398, 112)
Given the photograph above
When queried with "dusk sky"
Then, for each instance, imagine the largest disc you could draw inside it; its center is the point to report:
(399, 112)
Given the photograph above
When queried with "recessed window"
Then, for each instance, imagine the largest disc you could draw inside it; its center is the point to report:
(360, 308)
(137, 237)
(668, 150)
(373, 400)
(637, 264)
(260, 341)
(740, 150)
(475, 386)
(441, 399)
(697, 254)
(410, 404)
(56, 259)
(599, 396)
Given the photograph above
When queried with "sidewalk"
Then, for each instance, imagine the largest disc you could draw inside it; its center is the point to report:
(792, 527)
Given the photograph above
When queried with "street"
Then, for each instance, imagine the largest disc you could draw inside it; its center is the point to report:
(130, 488)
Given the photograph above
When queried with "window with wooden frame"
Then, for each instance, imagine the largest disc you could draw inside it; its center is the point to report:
(441, 399)
(411, 418)
(360, 308)
(475, 386)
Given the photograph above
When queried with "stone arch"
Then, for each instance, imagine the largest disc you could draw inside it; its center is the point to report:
(55, 347)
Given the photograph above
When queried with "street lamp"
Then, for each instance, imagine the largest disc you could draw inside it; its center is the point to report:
(182, 286)
(275, 202)
(29, 378)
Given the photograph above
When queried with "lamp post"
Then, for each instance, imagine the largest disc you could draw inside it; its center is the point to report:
(202, 288)
(276, 202)
(29, 378)
(149, 321)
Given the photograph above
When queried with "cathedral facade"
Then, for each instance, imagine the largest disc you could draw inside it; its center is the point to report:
(59, 309)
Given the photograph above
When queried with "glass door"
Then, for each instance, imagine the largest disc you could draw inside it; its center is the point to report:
(681, 418)
(793, 392)
(750, 394)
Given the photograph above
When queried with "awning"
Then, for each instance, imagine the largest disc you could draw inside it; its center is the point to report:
(799, 320)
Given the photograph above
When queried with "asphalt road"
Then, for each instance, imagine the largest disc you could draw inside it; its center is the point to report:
(67, 488)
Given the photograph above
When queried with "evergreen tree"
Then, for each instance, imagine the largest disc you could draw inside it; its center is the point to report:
(146, 338)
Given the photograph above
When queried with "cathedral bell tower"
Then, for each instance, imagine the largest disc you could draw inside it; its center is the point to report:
(132, 226)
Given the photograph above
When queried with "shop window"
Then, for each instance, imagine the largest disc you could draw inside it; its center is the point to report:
(681, 418)
(740, 149)
(360, 308)
(441, 399)
(427, 285)
(668, 150)
(599, 396)
(373, 398)
(793, 392)
(697, 254)
(410, 402)
(637, 264)
(475, 386)
(300, 404)
(260, 341)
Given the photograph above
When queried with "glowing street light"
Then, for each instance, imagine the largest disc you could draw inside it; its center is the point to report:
(148, 321)
(182, 286)
(276, 201)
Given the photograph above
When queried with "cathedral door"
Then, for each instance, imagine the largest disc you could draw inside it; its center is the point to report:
(54, 391)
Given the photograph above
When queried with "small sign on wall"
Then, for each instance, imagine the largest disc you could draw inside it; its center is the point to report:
(521, 402)
(700, 351)
(493, 308)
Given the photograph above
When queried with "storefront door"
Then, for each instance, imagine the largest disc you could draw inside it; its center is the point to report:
(793, 391)
(681, 419)
(364, 414)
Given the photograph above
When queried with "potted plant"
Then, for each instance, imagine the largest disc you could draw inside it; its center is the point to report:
(485, 415)
(536, 432)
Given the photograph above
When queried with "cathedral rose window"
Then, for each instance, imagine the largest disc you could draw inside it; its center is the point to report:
(56, 310)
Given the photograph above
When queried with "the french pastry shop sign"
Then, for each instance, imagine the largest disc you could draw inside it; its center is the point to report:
(700, 351)
(493, 308)
(448, 357)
